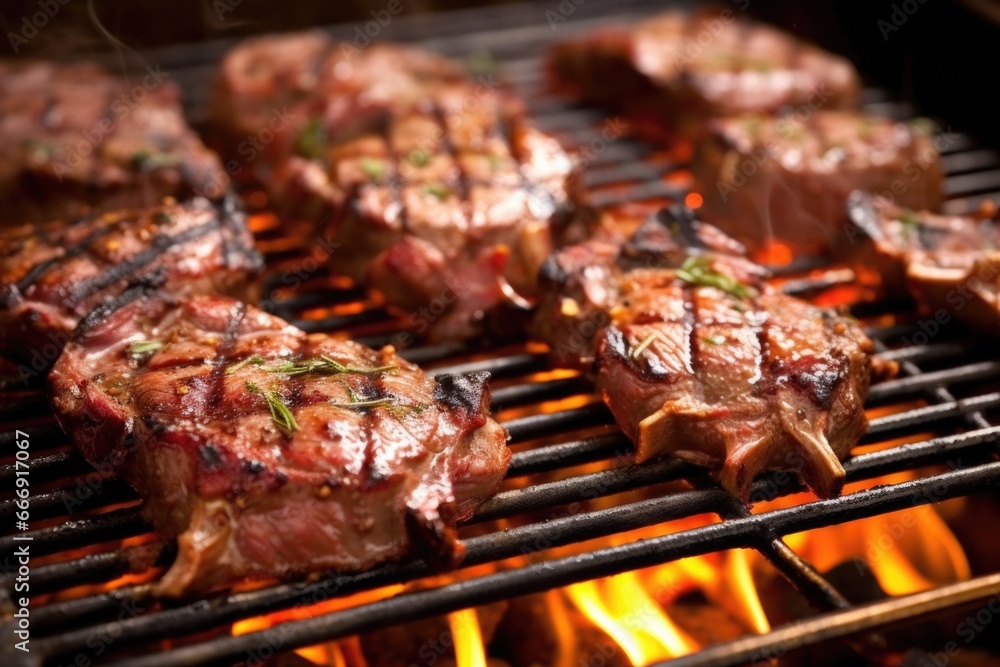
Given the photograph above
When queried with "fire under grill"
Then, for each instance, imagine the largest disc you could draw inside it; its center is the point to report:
(96, 573)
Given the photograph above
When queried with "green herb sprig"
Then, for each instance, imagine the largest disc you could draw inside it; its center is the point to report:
(326, 365)
(374, 169)
(698, 271)
(143, 347)
(281, 415)
(312, 139)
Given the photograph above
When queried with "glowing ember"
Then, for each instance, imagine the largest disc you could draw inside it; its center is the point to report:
(694, 200)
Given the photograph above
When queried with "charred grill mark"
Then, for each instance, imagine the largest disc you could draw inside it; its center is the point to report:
(235, 252)
(817, 377)
(395, 183)
(501, 131)
(80, 248)
(158, 246)
(108, 307)
(370, 477)
(553, 272)
(765, 364)
(463, 178)
(217, 375)
(682, 224)
(210, 455)
(462, 392)
(690, 320)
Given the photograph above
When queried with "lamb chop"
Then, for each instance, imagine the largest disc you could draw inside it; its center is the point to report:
(54, 274)
(671, 72)
(698, 356)
(786, 179)
(271, 453)
(949, 263)
(74, 137)
(434, 186)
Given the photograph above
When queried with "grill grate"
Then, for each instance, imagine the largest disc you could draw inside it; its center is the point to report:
(954, 387)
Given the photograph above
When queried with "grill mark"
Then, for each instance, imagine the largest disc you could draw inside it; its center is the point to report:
(223, 353)
(159, 246)
(107, 308)
(764, 360)
(70, 253)
(236, 253)
(500, 130)
(462, 181)
(395, 179)
(690, 320)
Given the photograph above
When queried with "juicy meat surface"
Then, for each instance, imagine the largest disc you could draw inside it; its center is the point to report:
(767, 179)
(431, 185)
(269, 452)
(54, 274)
(949, 263)
(674, 70)
(74, 137)
(698, 356)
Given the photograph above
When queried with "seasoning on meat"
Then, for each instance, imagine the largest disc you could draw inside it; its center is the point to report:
(271, 453)
(698, 356)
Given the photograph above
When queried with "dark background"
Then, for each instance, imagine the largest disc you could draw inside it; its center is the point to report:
(944, 55)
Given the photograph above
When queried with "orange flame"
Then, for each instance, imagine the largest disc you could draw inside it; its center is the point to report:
(468, 638)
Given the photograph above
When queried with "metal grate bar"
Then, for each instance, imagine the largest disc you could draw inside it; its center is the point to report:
(830, 627)
(560, 572)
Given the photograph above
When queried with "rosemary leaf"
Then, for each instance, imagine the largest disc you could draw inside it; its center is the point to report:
(144, 347)
(641, 347)
(696, 271)
(281, 415)
(326, 365)
(312, 139)
(419, 158)
(251, 361)
(374, 169)
(438, 190)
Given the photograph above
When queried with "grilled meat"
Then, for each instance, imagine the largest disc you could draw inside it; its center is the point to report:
(268, 452)
(673, 71)
(786, 179)
(74, 137)
(53, 274)
(950, 264)
(697, 356)
(433, 185)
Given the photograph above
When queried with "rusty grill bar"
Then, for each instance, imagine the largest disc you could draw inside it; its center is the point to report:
(951, 373)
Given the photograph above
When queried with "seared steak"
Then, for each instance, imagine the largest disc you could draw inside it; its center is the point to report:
(53, 274)
(786, 179)
(268, 452)
(434, 185)
(950, 264)
(673, 71)
(74, 137)
(697, 356)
